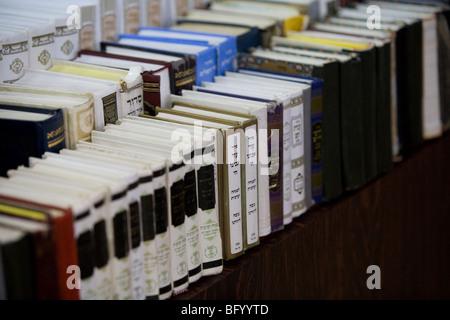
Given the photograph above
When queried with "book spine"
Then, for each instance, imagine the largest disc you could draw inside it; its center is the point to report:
(135, 242)
(208, 203)
(307, 144)
(179, 268)
(103, 263)
(18, 268)
(3, 295)
(66, 43)
(15, 59)
(44, 261)
(369, 114)
(444, 68)
(132, 95)
(163, 247)
(354, 125)
(42, 49)
(66, 251)
(81, 122)
(152, 93)
(107, 109)
(233, 225)
(287, 169)
(316, 133)
(331, 133)
(184, 75)
(275, 148)
(88, 33)
(194, 261)
(53, 131)
(298, 184)
(383, 115)
(226, 60)
(108, 20)
(206, 66)
(119, 246)
(85, 246)
(251, 187)
(149, 240)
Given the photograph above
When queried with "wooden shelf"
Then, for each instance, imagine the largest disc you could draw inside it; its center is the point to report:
(400, 222)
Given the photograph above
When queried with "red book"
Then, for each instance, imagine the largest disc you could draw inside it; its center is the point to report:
(60, 221)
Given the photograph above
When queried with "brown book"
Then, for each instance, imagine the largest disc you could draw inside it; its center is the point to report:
(60, 222)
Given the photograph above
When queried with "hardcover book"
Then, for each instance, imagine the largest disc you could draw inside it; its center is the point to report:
(27, 132)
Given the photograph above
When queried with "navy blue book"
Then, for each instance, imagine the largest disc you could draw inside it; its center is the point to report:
(28, 132)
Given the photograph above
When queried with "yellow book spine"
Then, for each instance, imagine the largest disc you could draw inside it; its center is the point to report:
(329, 41)
(296, 23)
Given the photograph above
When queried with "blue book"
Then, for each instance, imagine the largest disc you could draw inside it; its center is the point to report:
(246, 37)
(226, 46)
(206, 56)
(314, 129)
(28, 132)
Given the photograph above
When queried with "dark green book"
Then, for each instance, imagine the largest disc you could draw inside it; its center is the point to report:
(18, 268)
(355, 157)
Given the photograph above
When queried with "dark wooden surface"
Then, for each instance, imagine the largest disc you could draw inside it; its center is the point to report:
(400, 222)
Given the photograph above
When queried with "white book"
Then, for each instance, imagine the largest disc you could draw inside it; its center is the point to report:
(301, 185)
(163, 244)
(230, 179)
(105, 92)
(207, 181)
(106, 19)
(293, 138)
(41, 42)
(128, 17)
(80, 15)
(193, 240)
(91, 282)
(126, 64)
(117, 224)
(66, 39)
(147, 203)
(176, 219)
(133, 217)
(103, 267)
(110, 285)
(78, 108)
(131, 94)
(82, 224)
(136, 212)
(221, 83)
(257, 109)
(154, 13)
(250, 170)
(15, 56)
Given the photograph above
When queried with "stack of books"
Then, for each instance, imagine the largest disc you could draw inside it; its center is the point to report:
(171, 139)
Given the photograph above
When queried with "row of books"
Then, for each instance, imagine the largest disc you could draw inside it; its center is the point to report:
(31, 35)
(290, 124)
